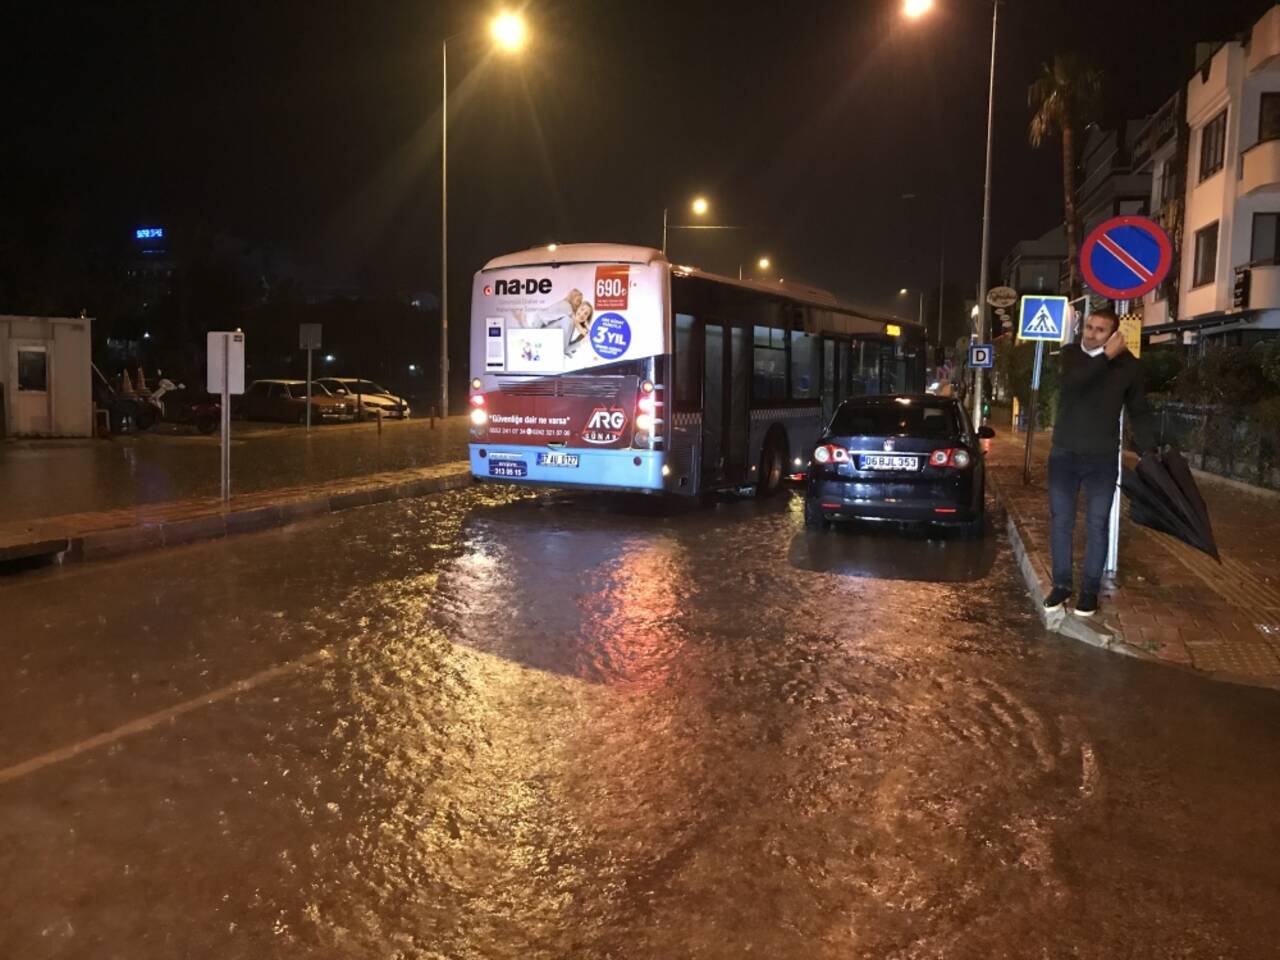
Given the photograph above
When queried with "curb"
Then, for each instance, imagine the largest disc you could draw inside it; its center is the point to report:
(102, 544)
(1087, 631)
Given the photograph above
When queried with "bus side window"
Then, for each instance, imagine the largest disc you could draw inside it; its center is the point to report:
(688, 378)
(806, 365)
(769, 367)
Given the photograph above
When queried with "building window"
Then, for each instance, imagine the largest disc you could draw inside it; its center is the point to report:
(1266, 238)
(1206, 265)
(33, 370)
(1213, 142)
(1269, 117)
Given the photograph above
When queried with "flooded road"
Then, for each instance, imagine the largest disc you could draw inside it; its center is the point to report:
(496, 724)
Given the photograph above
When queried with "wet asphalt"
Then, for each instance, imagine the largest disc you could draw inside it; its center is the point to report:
(500, 724)
(45, 478)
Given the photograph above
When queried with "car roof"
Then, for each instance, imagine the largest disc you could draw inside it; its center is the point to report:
(883, 400)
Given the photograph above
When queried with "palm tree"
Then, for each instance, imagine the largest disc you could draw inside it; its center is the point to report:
(1065, 97)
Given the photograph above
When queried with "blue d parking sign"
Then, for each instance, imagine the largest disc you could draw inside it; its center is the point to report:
(981, 356)
(610, 335)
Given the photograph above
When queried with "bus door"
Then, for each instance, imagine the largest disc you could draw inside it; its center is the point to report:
(726, 382)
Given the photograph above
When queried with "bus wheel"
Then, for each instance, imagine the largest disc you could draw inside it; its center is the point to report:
(772, 462)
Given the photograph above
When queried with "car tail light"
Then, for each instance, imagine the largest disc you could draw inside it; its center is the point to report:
(830, 453)
(952, 457)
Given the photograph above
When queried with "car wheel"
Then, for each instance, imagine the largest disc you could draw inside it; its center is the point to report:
(773, 457)
(813, 517)
(207, 424)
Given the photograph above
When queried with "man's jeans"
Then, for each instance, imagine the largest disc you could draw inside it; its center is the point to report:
(1068, 472)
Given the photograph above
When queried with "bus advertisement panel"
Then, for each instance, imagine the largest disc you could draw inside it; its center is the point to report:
(543, 320)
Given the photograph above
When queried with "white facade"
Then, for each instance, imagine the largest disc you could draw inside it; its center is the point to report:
(1231, 85)
(45, 377)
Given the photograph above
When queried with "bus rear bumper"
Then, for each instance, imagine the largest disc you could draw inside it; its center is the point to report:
(596, 469)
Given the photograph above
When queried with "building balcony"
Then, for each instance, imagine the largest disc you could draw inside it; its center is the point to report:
(1264, 42)
(1264, 286)
(1261, 168)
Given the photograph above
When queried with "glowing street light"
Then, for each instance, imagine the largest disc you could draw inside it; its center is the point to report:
(508, 31)
(763, 263)
(699, 206)
(509, 35)
(914, 9)
(902, 292)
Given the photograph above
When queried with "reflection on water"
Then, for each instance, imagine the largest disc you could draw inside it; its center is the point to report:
(888, 551)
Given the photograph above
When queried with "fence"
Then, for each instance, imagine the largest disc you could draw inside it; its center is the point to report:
(1220, 442)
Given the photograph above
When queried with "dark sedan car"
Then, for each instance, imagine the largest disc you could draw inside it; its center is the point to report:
(905, 458)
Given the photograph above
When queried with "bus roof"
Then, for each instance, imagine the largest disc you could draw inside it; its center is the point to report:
(558, 253)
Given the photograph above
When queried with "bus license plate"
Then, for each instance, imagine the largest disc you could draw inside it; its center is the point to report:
(507, 466)
(881, 461)
(557, 459)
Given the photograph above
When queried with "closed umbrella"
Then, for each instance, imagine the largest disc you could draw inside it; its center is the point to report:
(1163, 495)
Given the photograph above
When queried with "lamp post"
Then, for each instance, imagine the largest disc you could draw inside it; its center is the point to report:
(699, 208)
(508, 32)
(914, 9)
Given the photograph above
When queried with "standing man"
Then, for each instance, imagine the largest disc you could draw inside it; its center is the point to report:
(1099, 376)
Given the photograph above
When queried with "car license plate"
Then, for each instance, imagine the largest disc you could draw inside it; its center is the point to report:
(884, 461)
(557, 459)
(507, 466)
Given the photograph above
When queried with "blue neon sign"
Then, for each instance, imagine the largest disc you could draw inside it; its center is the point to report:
(149, 233)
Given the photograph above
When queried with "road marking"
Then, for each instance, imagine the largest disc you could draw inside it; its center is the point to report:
(153, 720)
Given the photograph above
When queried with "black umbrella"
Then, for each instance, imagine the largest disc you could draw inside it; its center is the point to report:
(1163, 495)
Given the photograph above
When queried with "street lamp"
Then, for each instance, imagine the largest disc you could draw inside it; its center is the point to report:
(903, 292)
(698, 207)
(915, 9)
(508, 33)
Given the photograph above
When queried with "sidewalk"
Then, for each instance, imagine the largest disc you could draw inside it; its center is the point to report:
(94, 535)
(48, 478)
(1170, 602)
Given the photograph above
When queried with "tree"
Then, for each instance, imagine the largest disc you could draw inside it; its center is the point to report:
(1064, 98)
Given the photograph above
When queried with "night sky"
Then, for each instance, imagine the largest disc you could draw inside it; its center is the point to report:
(313, 128)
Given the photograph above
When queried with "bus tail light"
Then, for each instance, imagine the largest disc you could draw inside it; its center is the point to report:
(644, 422)
(477, 399)
(479, 416)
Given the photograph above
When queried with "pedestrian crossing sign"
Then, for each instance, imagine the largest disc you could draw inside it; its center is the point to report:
(1043, 318)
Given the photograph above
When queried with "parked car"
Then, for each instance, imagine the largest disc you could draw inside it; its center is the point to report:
(906, 458)
(287, 400)
(369, 398)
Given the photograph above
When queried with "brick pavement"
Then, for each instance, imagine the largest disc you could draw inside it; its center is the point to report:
(1170, 602)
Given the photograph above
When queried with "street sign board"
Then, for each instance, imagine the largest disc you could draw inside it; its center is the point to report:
(1043, 318)
(1125, 257)
(308, 336)
(1131, 330)
(982, 355)
(226, 353)
(1002, 296)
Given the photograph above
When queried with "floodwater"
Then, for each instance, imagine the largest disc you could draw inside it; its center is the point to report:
(498, 724)
(45, 478)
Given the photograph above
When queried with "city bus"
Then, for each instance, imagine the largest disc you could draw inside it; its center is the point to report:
(605, 366)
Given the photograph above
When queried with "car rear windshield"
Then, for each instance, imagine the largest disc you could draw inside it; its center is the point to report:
(918, 418)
